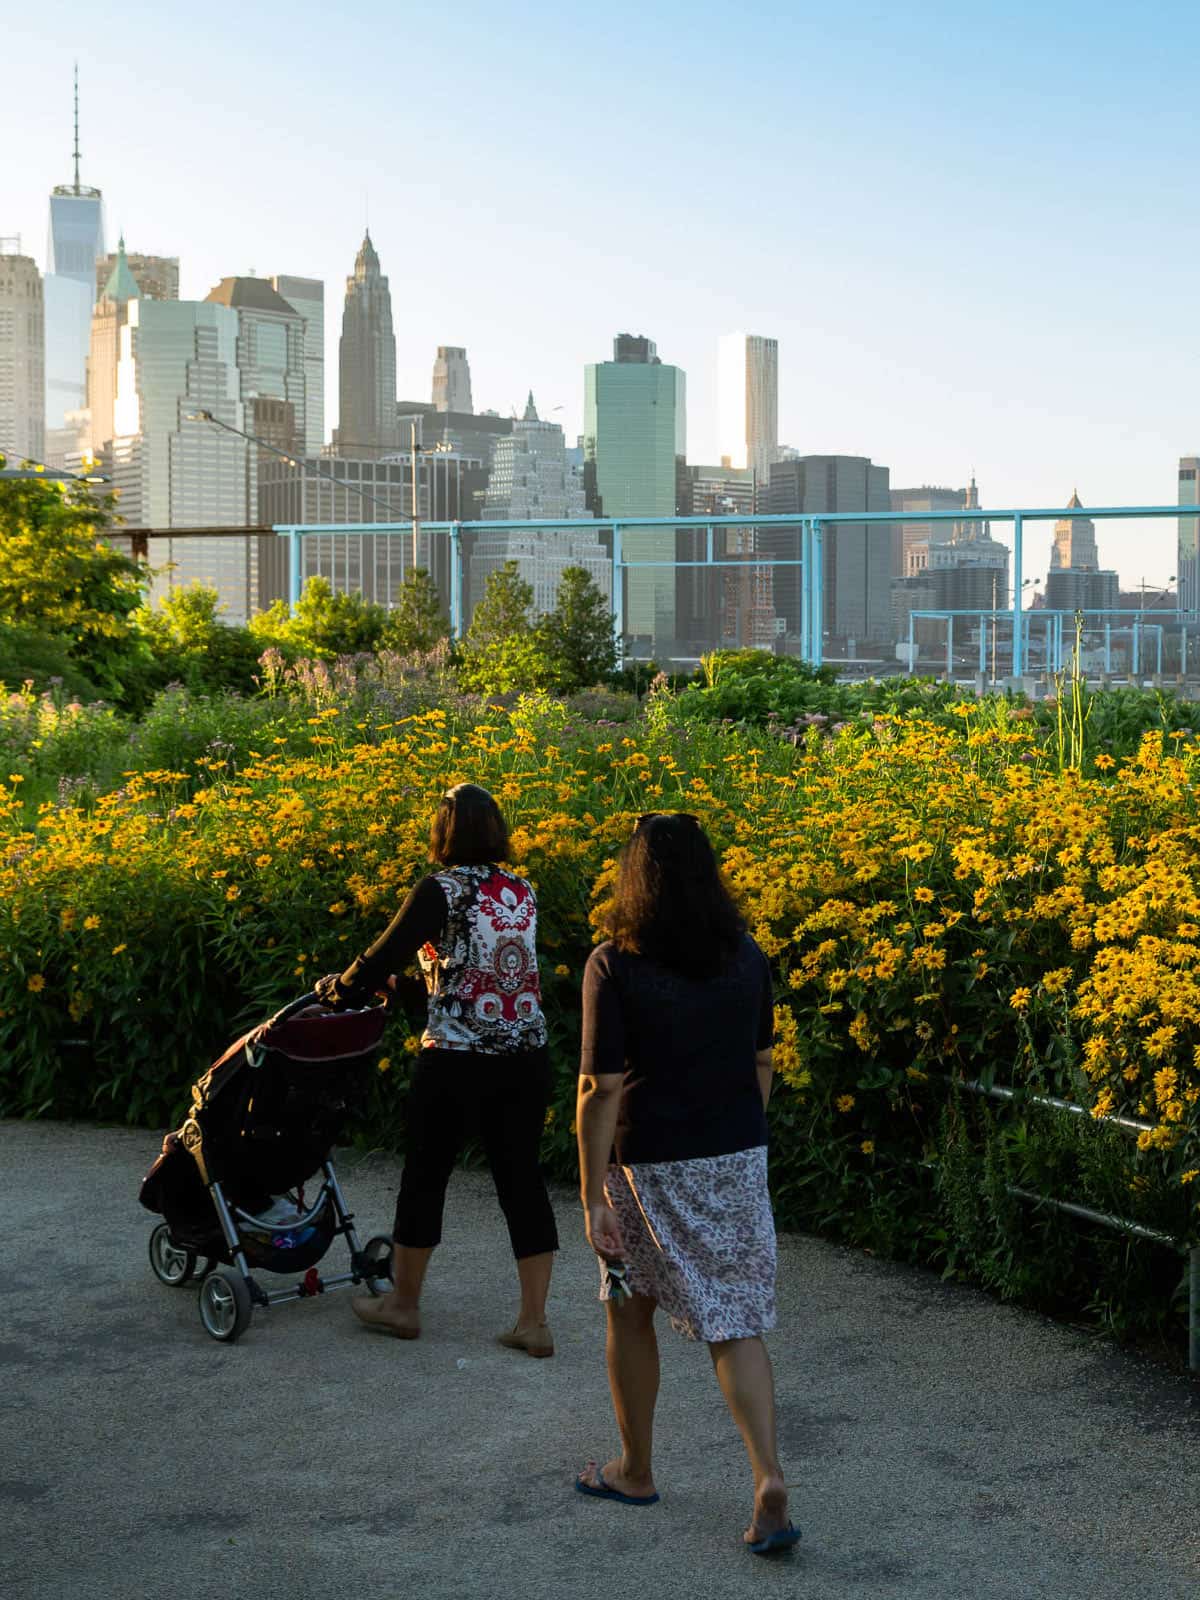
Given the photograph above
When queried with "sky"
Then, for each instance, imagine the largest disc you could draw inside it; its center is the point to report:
(970, 226)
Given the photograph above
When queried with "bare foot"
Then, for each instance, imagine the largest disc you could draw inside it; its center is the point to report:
(614, 1476)
(770, 1510)
(379, 1312)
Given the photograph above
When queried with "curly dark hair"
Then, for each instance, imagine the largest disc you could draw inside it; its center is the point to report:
(468, 829)
(670, 901)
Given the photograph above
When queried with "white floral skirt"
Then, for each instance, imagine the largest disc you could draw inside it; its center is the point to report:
(700, 1239)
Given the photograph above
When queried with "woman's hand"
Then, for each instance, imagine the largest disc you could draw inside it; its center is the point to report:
(604, 1232)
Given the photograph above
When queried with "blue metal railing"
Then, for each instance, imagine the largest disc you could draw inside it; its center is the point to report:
(1058, 627)
(809, 557)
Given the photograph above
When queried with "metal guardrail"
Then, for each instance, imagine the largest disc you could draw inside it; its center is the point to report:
(1058, 626)
(810, 529)
(1104, 1219)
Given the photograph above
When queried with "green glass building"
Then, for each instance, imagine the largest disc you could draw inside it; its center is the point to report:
(634, 440)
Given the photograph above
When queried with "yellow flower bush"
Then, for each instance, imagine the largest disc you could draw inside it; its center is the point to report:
(937, 902)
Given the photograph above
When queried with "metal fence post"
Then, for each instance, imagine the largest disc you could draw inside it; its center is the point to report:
(1018, 656)
(805, 557)
(295, 584)
(456, 581)
(817, 541)
(950, 648)
(912, 644)
(618, 593)
(1194, 1308)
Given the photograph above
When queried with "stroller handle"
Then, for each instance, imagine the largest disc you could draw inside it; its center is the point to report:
(312, 998)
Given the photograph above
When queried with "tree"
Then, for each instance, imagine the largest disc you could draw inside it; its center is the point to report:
(416, 622)
(324, 624)
(59, 579)
(191, 645)
(502, 650)
(578, 636)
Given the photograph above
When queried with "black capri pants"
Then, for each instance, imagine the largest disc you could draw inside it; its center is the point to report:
(503, 1098)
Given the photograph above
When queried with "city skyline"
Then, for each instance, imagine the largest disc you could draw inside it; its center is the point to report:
(937, 308)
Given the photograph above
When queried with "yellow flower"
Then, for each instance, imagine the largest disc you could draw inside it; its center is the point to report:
(339, 908)
(1190, 1175)
(923, 894)
(412, 1044)
(385, 1063)
(562, 971)
(1020, 999)
(867, 1147)
(845, 1102)
(36, 984)
(91, 922)
(117, 948)
(232, 892)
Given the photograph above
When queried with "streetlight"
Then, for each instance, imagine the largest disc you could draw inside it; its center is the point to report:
(50, 474)
(1156, 590)
(290, 460)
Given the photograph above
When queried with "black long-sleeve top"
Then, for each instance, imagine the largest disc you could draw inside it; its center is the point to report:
(689, 1046)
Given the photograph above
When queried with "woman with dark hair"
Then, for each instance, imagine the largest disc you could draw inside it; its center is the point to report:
(675, 1074)
(483, 1062)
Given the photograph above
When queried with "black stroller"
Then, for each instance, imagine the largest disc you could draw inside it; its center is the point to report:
(230, 1182)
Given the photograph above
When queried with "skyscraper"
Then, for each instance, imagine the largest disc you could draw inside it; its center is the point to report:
(22, 357)
(452, 380)
(1075, 541)
(307, 296)
(634, 438)
(748, 402)
(531, 480)
(179, 357)
(271, 369)
(156, 276)
(857, 564)
(108, 319)
(913, 541)
(366, 362)
(75, 242)
(1075, 581)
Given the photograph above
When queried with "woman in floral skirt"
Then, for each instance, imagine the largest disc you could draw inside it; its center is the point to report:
(675, 1073)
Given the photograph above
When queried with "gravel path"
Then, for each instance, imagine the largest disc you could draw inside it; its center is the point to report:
(938, 1444)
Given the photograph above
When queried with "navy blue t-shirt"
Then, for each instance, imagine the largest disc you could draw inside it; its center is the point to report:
(688, 1045)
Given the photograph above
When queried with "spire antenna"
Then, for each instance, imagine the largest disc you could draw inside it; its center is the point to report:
(77, 127)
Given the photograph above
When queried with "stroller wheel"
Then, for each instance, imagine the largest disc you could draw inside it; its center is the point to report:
(377, 1258)
(170, 1264)
(225, 1305)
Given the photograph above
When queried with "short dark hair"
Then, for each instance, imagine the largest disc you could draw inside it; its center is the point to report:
(670, 901)
(468, 829)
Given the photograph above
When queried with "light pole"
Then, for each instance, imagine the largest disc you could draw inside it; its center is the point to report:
(291, 460)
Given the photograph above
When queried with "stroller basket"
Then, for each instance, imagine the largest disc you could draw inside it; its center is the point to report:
(263, 1119)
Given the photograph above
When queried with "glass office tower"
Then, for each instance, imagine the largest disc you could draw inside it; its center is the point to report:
(634, 439)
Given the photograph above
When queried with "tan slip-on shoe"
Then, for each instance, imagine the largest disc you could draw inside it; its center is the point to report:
(537, 1341)
(376, 1314)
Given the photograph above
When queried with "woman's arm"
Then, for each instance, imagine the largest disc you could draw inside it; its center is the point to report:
(764, 1061)
(420, 920)
(597, 1107)
(598, 1102)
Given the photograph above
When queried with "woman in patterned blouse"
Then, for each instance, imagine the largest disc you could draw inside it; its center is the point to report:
(483, 1064)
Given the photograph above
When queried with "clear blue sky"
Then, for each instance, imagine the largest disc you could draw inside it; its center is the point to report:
(971, 227)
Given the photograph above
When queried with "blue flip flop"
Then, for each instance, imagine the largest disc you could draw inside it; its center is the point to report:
(603, 1491)
(781, 1539)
